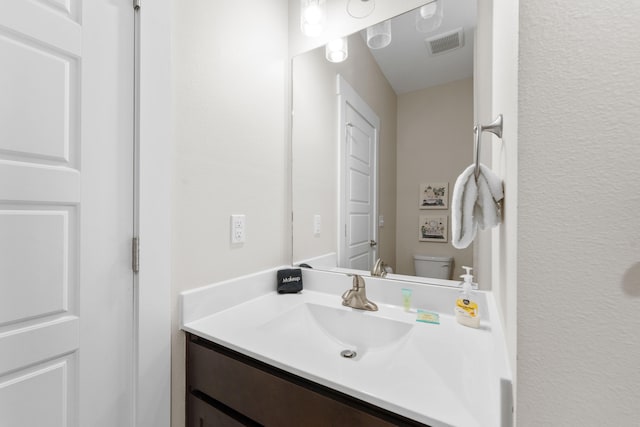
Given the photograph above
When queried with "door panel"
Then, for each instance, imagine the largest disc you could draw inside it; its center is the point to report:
(359, 227)
(360, 187)
(360, 149)
(358, 237)
(34, 258)
(31, 342)
(46, 389)
(31, 72)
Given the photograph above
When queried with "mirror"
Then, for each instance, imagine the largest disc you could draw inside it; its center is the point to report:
(378, 141)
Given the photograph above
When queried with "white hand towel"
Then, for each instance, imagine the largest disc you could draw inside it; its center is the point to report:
(474, 204)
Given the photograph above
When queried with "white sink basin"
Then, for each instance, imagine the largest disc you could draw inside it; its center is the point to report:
(351, 329)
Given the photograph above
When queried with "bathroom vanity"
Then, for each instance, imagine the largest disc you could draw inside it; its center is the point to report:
(255, 357)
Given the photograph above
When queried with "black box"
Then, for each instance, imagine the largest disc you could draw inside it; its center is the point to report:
(289, 281)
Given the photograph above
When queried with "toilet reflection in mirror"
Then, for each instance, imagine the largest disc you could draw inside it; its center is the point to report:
(368, 131)
(433, 266)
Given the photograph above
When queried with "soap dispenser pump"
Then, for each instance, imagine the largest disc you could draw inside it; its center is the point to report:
(466, 309)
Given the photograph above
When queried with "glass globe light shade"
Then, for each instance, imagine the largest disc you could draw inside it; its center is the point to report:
(313, 15)
(337, 50)
(429, 16)
(379, 35)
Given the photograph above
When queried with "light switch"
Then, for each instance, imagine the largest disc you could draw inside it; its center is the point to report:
(316, 225)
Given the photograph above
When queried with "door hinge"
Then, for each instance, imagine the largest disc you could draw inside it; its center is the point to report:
(135, 254)
(136, 4)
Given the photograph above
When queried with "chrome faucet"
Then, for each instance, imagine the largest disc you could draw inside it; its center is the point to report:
(378, 269)
(356, 297)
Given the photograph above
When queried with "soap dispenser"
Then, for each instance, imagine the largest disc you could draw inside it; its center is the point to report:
(466, 309)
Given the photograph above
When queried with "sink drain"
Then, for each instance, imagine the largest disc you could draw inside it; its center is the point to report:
(348, 354)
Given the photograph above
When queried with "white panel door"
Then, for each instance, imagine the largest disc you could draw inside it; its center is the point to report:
(66, 296)
(359, 197)
(358, 202)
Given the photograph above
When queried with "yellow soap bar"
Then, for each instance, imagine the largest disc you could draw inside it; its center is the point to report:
(428, 317)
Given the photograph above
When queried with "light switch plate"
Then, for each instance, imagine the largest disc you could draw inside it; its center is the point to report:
(317, 222)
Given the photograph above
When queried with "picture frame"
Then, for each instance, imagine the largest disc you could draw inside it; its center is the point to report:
(434, 195)
(433, 228)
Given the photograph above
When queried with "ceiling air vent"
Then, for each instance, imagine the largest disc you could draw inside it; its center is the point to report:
(445, 42)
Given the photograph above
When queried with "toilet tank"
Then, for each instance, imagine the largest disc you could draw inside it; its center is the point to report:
(433, 266)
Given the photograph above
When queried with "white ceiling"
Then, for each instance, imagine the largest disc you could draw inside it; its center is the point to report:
(406, 62)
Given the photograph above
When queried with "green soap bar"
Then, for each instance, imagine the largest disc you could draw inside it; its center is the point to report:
(428, 317)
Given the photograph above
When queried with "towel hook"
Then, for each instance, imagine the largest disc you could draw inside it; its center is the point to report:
(495, 128)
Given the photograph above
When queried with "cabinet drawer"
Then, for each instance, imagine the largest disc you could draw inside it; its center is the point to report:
(272, 397)
(201, 414)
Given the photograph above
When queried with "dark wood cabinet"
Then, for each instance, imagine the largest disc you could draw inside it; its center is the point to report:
(226, 388)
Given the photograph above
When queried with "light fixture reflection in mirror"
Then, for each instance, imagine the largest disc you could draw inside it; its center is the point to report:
(360, 8)
(337, 50)
(313, 15)
(429, 16)
(379, 35)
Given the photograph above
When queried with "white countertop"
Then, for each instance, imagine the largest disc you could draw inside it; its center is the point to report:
(439, 374)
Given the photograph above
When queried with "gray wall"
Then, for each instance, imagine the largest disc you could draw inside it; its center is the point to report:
(578, 226)
(229, 80)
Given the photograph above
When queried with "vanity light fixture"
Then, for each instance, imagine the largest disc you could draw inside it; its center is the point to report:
(429, 16)
(379, 35)
(313, 16)
(337, 50)
(360, 8)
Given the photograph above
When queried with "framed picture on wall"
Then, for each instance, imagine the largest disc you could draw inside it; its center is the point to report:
(433, 228)
(434, 195)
